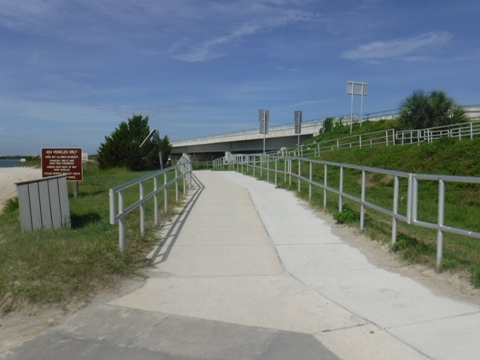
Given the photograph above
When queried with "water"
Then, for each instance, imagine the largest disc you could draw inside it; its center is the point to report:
(6, 163)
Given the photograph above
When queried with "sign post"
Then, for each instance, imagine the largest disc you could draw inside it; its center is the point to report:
(356, 88)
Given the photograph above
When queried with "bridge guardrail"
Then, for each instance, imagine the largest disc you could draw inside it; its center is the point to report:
(182, 172)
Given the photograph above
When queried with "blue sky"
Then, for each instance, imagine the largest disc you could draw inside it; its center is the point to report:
(72, 70)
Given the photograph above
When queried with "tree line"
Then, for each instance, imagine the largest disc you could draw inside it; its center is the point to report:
(122, 147)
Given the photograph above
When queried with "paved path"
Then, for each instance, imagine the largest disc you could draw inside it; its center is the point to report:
(247, 271)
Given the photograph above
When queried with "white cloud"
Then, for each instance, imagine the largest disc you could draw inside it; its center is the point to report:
(398, 48)
(249, 25)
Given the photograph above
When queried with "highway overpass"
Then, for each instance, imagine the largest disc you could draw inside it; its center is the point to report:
(249, 141)
(252, 141)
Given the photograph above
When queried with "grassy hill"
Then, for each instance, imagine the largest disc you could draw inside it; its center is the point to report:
(445, 156)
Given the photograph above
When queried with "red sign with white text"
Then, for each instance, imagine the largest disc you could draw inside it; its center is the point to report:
(59, 161)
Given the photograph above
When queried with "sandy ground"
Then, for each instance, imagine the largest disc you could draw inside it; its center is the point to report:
(24, 324)
(10, 176)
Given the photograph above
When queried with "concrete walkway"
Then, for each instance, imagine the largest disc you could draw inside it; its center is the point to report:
(247, 271)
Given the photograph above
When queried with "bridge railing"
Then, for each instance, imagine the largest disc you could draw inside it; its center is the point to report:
(119, 209)
(330, 178)
(460, 131)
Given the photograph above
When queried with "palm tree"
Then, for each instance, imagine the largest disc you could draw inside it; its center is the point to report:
(421, 110)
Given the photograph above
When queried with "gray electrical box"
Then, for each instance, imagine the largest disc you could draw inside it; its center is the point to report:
(44, 203)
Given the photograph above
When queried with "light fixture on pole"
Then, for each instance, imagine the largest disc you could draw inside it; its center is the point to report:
(356, 88)
(154, 138)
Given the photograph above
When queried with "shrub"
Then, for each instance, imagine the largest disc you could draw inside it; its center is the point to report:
(347, 215)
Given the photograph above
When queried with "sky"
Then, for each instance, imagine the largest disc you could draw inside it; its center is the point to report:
(72, 70)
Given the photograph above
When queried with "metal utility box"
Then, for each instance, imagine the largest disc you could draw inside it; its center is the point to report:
(44, 203)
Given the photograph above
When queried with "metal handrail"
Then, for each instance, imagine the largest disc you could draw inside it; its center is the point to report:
(182, 171)
(263, 163)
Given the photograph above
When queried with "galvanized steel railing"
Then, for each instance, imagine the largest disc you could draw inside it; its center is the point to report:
(118, 208)
(268, 164)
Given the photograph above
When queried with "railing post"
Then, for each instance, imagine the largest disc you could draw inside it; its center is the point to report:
(165, 193)
(310, 181)
(155, 200)
(410, 199)
(396, 187)
(184, 185)
(441, 218)
(121, 223)
(261, 166)
(340, 188)
(176, 184)
(276, 169)
(299, 173)
(290, 171)
(325, 183)
(267, 159)
(142, 210)
(362, 205)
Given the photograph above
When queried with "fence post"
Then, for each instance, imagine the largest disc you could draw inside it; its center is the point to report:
(362, 205)
(276, 169)
(176, 184)
(165, 193)
(310, 182)
(142, 210)
(441, 218)
(267, 158)
(121, 223)
(396, 188)
(340, 188)
(325, 182)
(290, 171)
(299, 173)
(155, 200)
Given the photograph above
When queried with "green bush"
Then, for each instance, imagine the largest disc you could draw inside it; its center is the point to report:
(347, 215)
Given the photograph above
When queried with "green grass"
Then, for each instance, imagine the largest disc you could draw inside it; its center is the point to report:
(69, 264)
(415, 244)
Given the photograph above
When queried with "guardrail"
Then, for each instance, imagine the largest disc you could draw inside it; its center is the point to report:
(461, 131)
(389, 137)
(410, 214)
(182, 172)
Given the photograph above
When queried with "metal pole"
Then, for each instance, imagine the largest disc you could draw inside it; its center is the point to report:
(351, 112)
(121, 223)
(441, 218)
(362, 206)
(395, 209)
(340, 197)
(142, 211)
(361, 107)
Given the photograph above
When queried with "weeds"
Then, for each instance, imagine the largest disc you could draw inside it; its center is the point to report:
(346, 216)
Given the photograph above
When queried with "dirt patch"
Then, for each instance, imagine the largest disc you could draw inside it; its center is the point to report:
(29, 321)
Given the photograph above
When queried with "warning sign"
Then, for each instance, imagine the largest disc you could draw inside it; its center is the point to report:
(59, 161)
